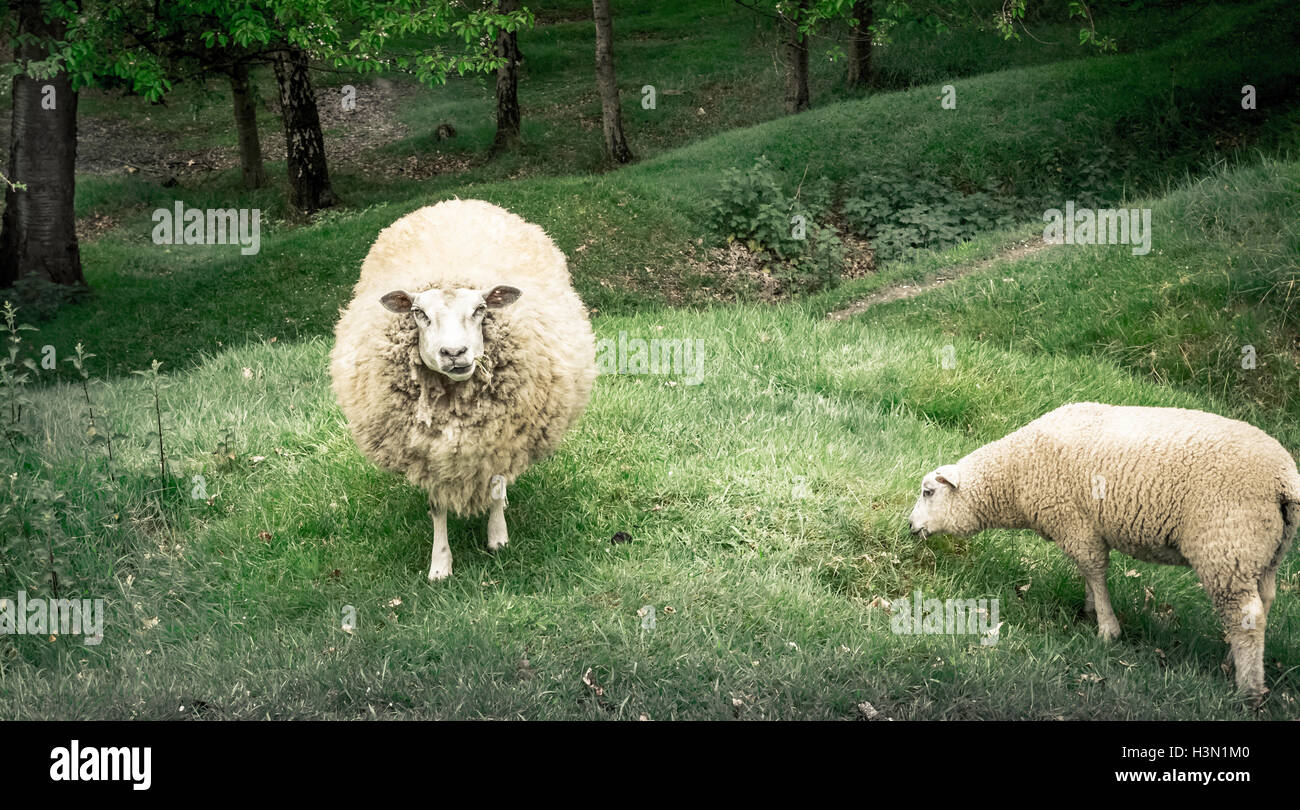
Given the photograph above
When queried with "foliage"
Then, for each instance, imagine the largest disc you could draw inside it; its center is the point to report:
(32, 542)
(148, 46)
(900, 211)
(752, 207)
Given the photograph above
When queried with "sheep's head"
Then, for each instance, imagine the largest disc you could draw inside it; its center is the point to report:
(450, 324)
(941, 507)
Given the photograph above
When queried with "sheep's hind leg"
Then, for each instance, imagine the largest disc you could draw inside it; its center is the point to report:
(1245, 616)
(440, 565)
(497, 535)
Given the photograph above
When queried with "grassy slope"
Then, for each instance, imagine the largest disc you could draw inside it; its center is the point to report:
(766, 507)
(630, 233)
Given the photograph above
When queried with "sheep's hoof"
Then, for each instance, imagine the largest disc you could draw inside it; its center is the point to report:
(1108, 634)
(1255, 695)
(498, 536)
(439, 572)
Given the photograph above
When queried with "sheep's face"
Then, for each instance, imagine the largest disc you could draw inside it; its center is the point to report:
(940, 507)
(450, 324)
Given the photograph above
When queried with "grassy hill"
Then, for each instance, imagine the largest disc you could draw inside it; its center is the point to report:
(766, 508)
(639, 236)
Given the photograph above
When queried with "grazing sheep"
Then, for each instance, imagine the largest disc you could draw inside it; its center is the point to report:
(1163, 485)
(463, 357)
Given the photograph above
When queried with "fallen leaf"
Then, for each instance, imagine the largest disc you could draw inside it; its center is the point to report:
(591, 683)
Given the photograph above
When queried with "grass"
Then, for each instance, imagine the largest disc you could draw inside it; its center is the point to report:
(765, 505)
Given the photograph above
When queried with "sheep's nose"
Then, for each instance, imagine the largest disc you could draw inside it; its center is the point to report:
(453, 352)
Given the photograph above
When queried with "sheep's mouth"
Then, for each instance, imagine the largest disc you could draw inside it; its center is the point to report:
(462, 372)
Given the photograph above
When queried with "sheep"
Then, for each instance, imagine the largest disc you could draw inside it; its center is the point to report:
(1164, 485)
(463, 357)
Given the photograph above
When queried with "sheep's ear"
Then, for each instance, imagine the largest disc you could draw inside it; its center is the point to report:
(948, 475)
(501, 295)
(397, 301)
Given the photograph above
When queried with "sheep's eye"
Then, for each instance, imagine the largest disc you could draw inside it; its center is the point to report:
(927, 492)
(482, 308)
(420, 316)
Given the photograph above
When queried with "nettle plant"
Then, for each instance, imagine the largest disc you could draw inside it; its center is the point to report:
(898, 211)
(33, 544)
(790, 230)
(894, 209)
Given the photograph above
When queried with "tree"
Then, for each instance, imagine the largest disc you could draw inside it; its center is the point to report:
(251, 169)
(152, 45)
(309, 178)
(611, 114)
(797, 95)
(859, 72)
(507, 49)
(38, 236)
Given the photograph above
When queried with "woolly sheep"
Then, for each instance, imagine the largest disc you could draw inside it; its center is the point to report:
(463, 357)
(1163, 485)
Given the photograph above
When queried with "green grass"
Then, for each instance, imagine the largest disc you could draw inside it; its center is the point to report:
(766, 508)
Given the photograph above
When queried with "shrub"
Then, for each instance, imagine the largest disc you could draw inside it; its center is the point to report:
(899, 211)
(753, 208)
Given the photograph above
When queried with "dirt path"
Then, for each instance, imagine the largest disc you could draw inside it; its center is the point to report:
(353, 138)
(911, 289)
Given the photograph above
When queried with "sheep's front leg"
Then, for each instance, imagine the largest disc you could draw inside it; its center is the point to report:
(440, 565)
(1093, 558)
(1094, 567)
(497, 535)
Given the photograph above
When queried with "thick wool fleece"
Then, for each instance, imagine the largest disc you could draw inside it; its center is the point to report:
(1164, 485)
(534, 379)
(1160, 484)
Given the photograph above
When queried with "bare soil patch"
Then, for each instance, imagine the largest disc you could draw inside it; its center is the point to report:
(909, 289)
(353, 137)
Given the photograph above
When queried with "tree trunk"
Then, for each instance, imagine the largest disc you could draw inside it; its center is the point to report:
(860, 45)
(309, 178)
(38, 236)
(507, 83)
(611, 115)
(250, 147)
(796, 71)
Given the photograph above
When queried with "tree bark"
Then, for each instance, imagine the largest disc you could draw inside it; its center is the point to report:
(796, 71)
(860, 45)
(38, 236)
(309, 179)
(250, 147)
(507, 84)
(611, 115)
